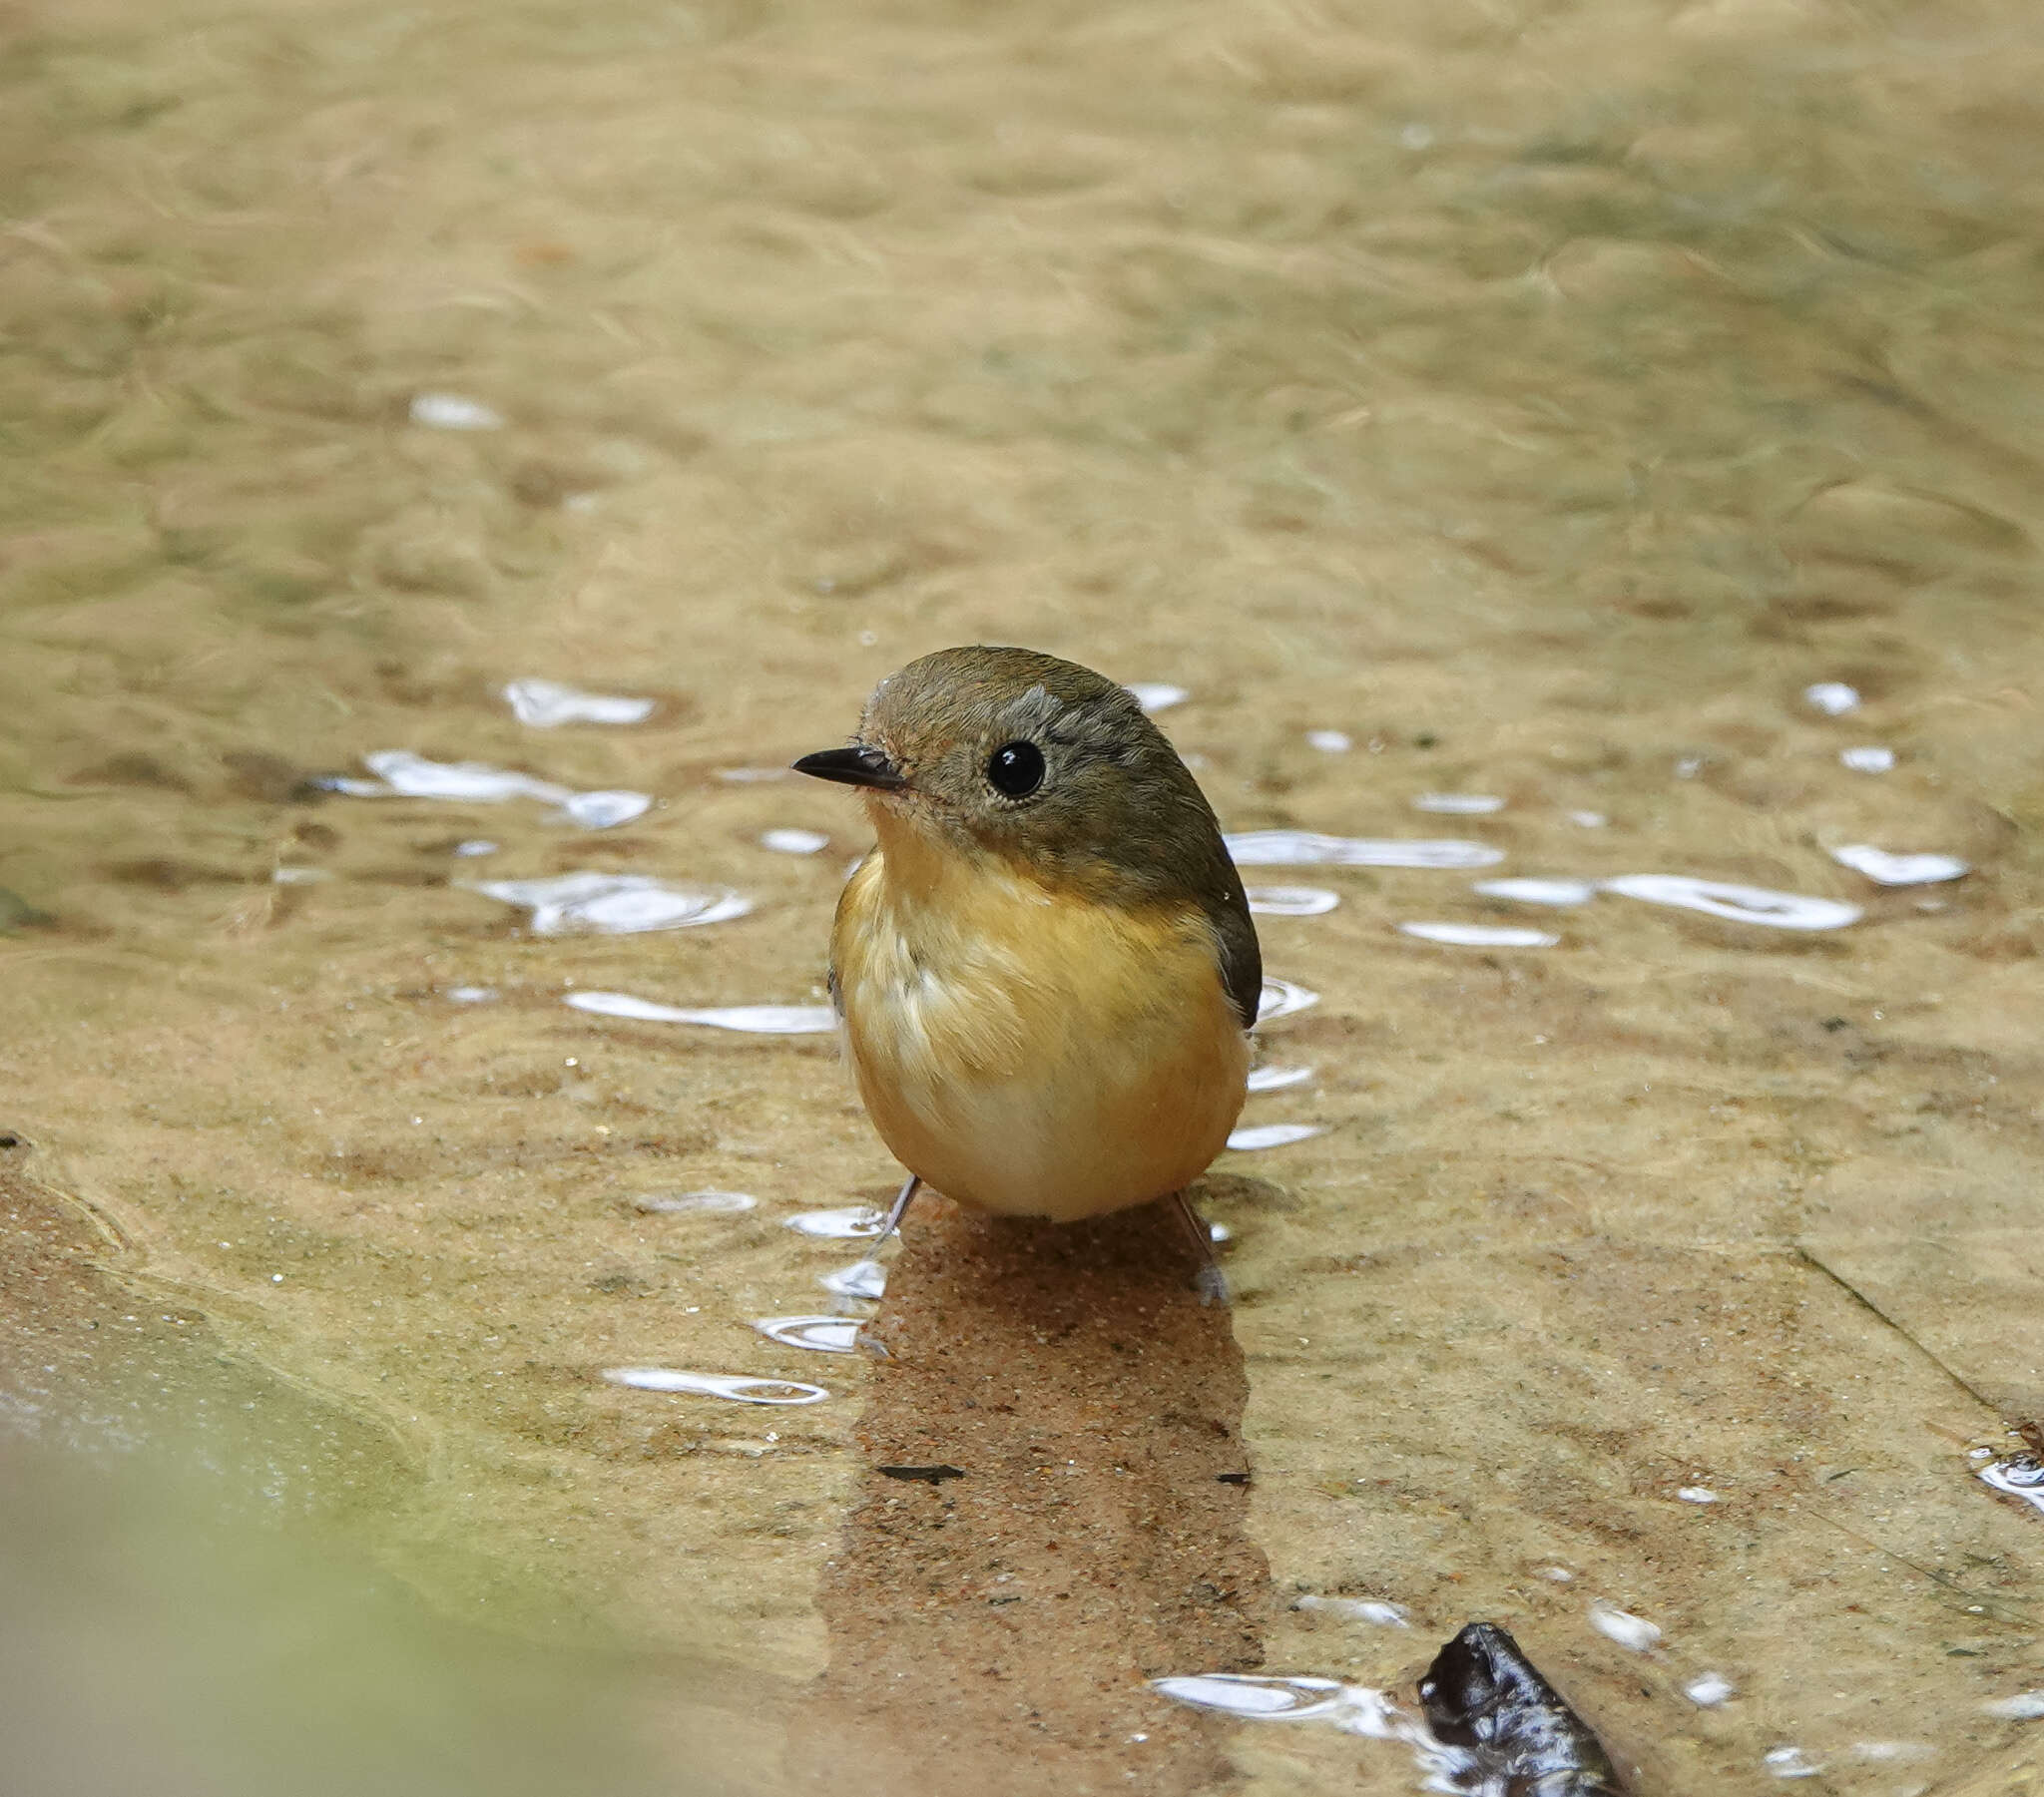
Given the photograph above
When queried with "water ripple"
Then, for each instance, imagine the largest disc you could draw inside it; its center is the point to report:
(734, 1386)
(1305, 849)
(1885, 869)
(1791, 1762)
(545, 705)
(1291, 901)
(1622, 1626)
(1538, 891)
(1736, 904)
(694, 1203)
(1480, 936)
(794, 843)
(2024, 1706)
(402, 773)
(612, 904)
(1709, 1689)
(849, 1224)
(861, 1279)
(1459, 804)
(1158, 696)
(822, 1334)
(1353, 1708)
(453, 411)
(1281, 998)
(2019, 1476)
(756, 1019)
(1360, 1609)
(1273, 1135)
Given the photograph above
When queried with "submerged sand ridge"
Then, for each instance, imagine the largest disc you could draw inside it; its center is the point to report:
(1051, 1513)
(1535, 407)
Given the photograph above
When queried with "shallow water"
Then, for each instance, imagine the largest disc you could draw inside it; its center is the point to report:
(1622, 411)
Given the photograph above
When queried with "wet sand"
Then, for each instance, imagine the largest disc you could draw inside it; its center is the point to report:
(1542, 398)
(1080, 1531)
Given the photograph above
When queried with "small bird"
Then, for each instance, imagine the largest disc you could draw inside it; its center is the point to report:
(1046, 969)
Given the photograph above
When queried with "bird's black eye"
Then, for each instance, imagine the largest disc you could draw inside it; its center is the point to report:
(1016, 768)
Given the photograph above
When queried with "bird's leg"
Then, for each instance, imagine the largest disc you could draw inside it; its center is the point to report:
(870, 1269)
(903, 1200)
(1210, 1282)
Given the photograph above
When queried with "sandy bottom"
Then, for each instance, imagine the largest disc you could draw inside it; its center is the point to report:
(995, 1630)
(1530, 403)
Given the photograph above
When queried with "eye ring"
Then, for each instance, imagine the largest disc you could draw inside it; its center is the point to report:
(1016, 769)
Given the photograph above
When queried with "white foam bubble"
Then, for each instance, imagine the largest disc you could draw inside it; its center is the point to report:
(1791, 1762)
(694, 1203)
(1869, 757)
(734, 1386)
(475, 848)
(754, 1019)
(1276, 1079)
(612, 904)
(1373, 1610)
(861, 1279)
(1537, 891)
(1696, 1493)
(1480, 936)
(1459, 804)
(1158, 696)
(1832, 698)
(1291, 901)
(839, 1225)
(1588, 820)
(1305, 849)
(1622, 1626)
(1273, 1135)
(1900, 870)
(453, 411)
(1709, 1689)
(794, 843)
(1281, 998)
(1736, 904)
(547, 704)
(1331, 742)
(471, 995)
(822, 1334)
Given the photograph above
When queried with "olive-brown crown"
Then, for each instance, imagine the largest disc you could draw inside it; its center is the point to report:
(1058, 770)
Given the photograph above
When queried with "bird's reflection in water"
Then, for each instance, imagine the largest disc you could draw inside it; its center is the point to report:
(1051, 1512)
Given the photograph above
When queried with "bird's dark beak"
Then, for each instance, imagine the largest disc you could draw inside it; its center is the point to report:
(854, 766)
